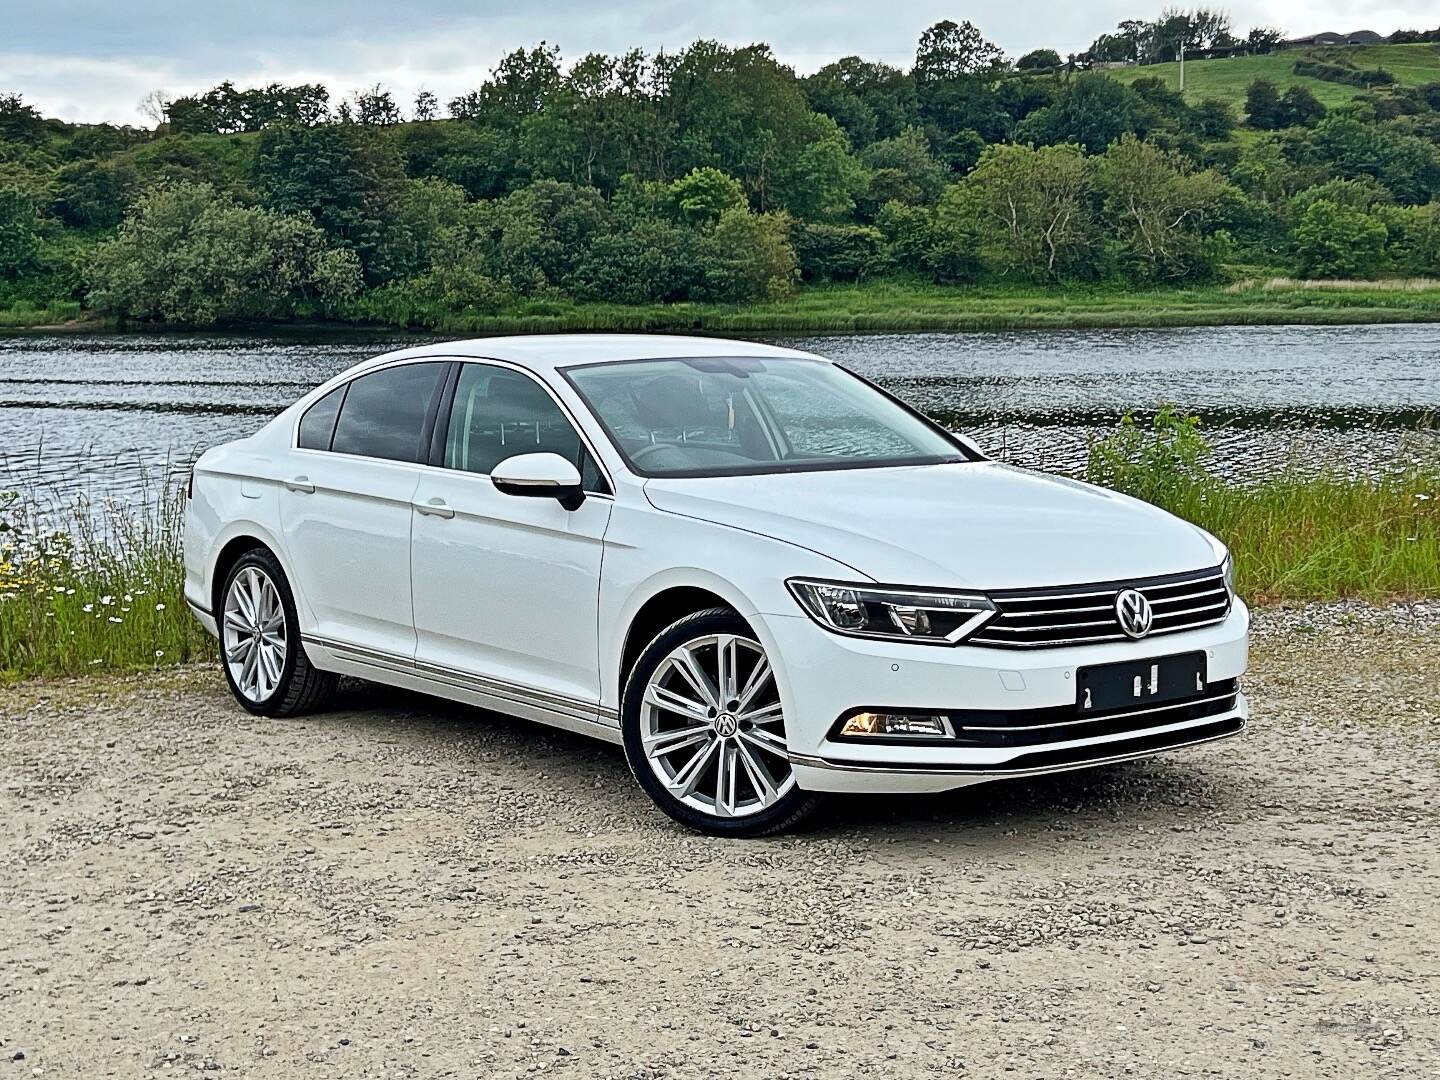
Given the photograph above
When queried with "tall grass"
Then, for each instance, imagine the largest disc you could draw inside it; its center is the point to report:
(101, 588)
(24, 313)
(1299, 534)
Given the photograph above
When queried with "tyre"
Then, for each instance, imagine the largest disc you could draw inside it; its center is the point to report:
(704, 729)
(260, 650)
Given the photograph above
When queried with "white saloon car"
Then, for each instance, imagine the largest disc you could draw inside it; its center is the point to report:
(763, 576)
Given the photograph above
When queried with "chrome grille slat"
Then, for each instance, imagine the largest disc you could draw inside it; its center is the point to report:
(1048, 618)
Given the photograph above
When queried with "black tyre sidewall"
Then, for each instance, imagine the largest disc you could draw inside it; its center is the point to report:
(263, 560)
(793, 806)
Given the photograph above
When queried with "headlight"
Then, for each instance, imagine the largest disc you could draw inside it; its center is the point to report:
(874, 611)
(1227, 568)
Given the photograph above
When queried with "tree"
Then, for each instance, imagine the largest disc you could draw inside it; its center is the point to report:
(1263, 39)
(1414, 238)
(94, 193)
(702, 195)
(190, 255)
(746, 258)
(19, 234)
(1338, 241)
(949, 50)
(1160, 209)
(376, 105)
(427, 106)
(1039, 60)
(20, 123)
(903, 169)
(1027, 209)
(1094, 110)
(1409, 165)
(869, 101)
(1300, 108)
(1214, 119)
(838, 252)
(1263, 110)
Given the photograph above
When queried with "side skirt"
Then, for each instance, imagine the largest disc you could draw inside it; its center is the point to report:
(571, 714)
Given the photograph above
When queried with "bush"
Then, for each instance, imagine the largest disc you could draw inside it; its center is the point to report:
(838, 252)
(187, 255)
(746, 257)
(1338, 241)
(1153, 463)
(1349, 76)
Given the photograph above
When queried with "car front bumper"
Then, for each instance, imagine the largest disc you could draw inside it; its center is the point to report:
(824, 676)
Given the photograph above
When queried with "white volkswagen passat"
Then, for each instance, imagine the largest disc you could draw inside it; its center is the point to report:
(763, 576)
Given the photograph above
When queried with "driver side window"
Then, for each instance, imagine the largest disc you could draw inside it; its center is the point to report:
(498, 413)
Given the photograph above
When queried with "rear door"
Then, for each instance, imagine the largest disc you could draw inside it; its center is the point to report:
(506, 588)
(346, 508)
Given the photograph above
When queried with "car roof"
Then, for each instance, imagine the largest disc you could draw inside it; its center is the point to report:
(551, 352)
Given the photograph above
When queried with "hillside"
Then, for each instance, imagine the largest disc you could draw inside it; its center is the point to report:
(1412, 65)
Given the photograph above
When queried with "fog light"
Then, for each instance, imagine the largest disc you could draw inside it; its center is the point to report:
(901, 725)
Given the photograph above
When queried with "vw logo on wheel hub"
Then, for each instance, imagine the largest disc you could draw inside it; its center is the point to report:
(726, 725)
(1134, 613)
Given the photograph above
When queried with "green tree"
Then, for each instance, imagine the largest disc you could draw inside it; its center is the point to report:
(745, 258)
(1160, 210)
(187, 254)
(349, 179)
(950, 50)
(1093, 110)
(1300, 108)
(1408, 165)
(902, 168)
(94, 193)
(1027, 210)
(19, 234)
(826, 252)
(1039, 60)
(1263, 110)
(702, 195)
(1414, 238)
(870, 101)
(1338, 241)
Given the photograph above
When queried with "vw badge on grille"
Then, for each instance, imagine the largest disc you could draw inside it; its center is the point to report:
(1133, 611)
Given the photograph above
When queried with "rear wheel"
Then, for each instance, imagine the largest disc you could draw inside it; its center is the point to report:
(704, 729)
(260, 650)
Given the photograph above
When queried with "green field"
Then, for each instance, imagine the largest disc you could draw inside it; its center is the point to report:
(1227, 80)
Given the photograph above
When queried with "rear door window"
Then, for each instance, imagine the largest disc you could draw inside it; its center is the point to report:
(317, 426)
(384, 413)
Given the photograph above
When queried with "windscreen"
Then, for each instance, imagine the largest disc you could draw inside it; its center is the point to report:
(721, 416)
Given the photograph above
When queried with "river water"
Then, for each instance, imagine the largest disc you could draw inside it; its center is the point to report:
(113, 416)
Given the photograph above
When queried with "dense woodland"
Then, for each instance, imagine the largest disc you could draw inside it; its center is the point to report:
(718, 174)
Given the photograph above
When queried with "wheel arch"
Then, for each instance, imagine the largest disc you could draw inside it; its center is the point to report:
(238, 538)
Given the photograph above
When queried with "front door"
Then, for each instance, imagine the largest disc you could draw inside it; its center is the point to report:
(506, 588)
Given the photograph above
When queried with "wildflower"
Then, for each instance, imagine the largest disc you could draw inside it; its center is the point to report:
(1421, 496)
(129, 599)
(159, 653)
(88, 608)
(159, 607)
(115, 620)
(106, 601)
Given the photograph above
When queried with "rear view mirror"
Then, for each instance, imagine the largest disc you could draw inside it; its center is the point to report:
(544, 476)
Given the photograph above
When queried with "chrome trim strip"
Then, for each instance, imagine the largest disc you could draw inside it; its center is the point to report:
(814, 762)
(1105, 716)
(1159, 631)
(576, 708)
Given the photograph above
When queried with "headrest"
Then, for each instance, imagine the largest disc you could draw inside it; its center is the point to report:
(671, 402)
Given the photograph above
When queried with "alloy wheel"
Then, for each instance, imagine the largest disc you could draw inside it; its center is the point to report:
(254, 638)
(713, 729)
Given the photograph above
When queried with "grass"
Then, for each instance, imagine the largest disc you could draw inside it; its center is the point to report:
(103, 591)
(901, 306)
(99, 590)
(1300, 534)
(1228, 79)
(23, 313)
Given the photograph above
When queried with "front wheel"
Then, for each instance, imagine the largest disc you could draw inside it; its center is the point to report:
(265, 663)
(704, 729)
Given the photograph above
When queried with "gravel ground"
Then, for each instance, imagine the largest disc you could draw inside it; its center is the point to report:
(403, 888)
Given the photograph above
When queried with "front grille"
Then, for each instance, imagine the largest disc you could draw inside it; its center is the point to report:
(1085, 614)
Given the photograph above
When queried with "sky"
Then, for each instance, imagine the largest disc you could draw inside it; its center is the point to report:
(92, 62)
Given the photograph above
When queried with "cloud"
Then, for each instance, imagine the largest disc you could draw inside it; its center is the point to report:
(92, 62)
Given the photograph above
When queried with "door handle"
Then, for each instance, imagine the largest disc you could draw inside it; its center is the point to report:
(434, 508)
(301, 484)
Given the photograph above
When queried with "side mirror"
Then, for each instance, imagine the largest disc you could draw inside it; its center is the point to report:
(544, 476)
